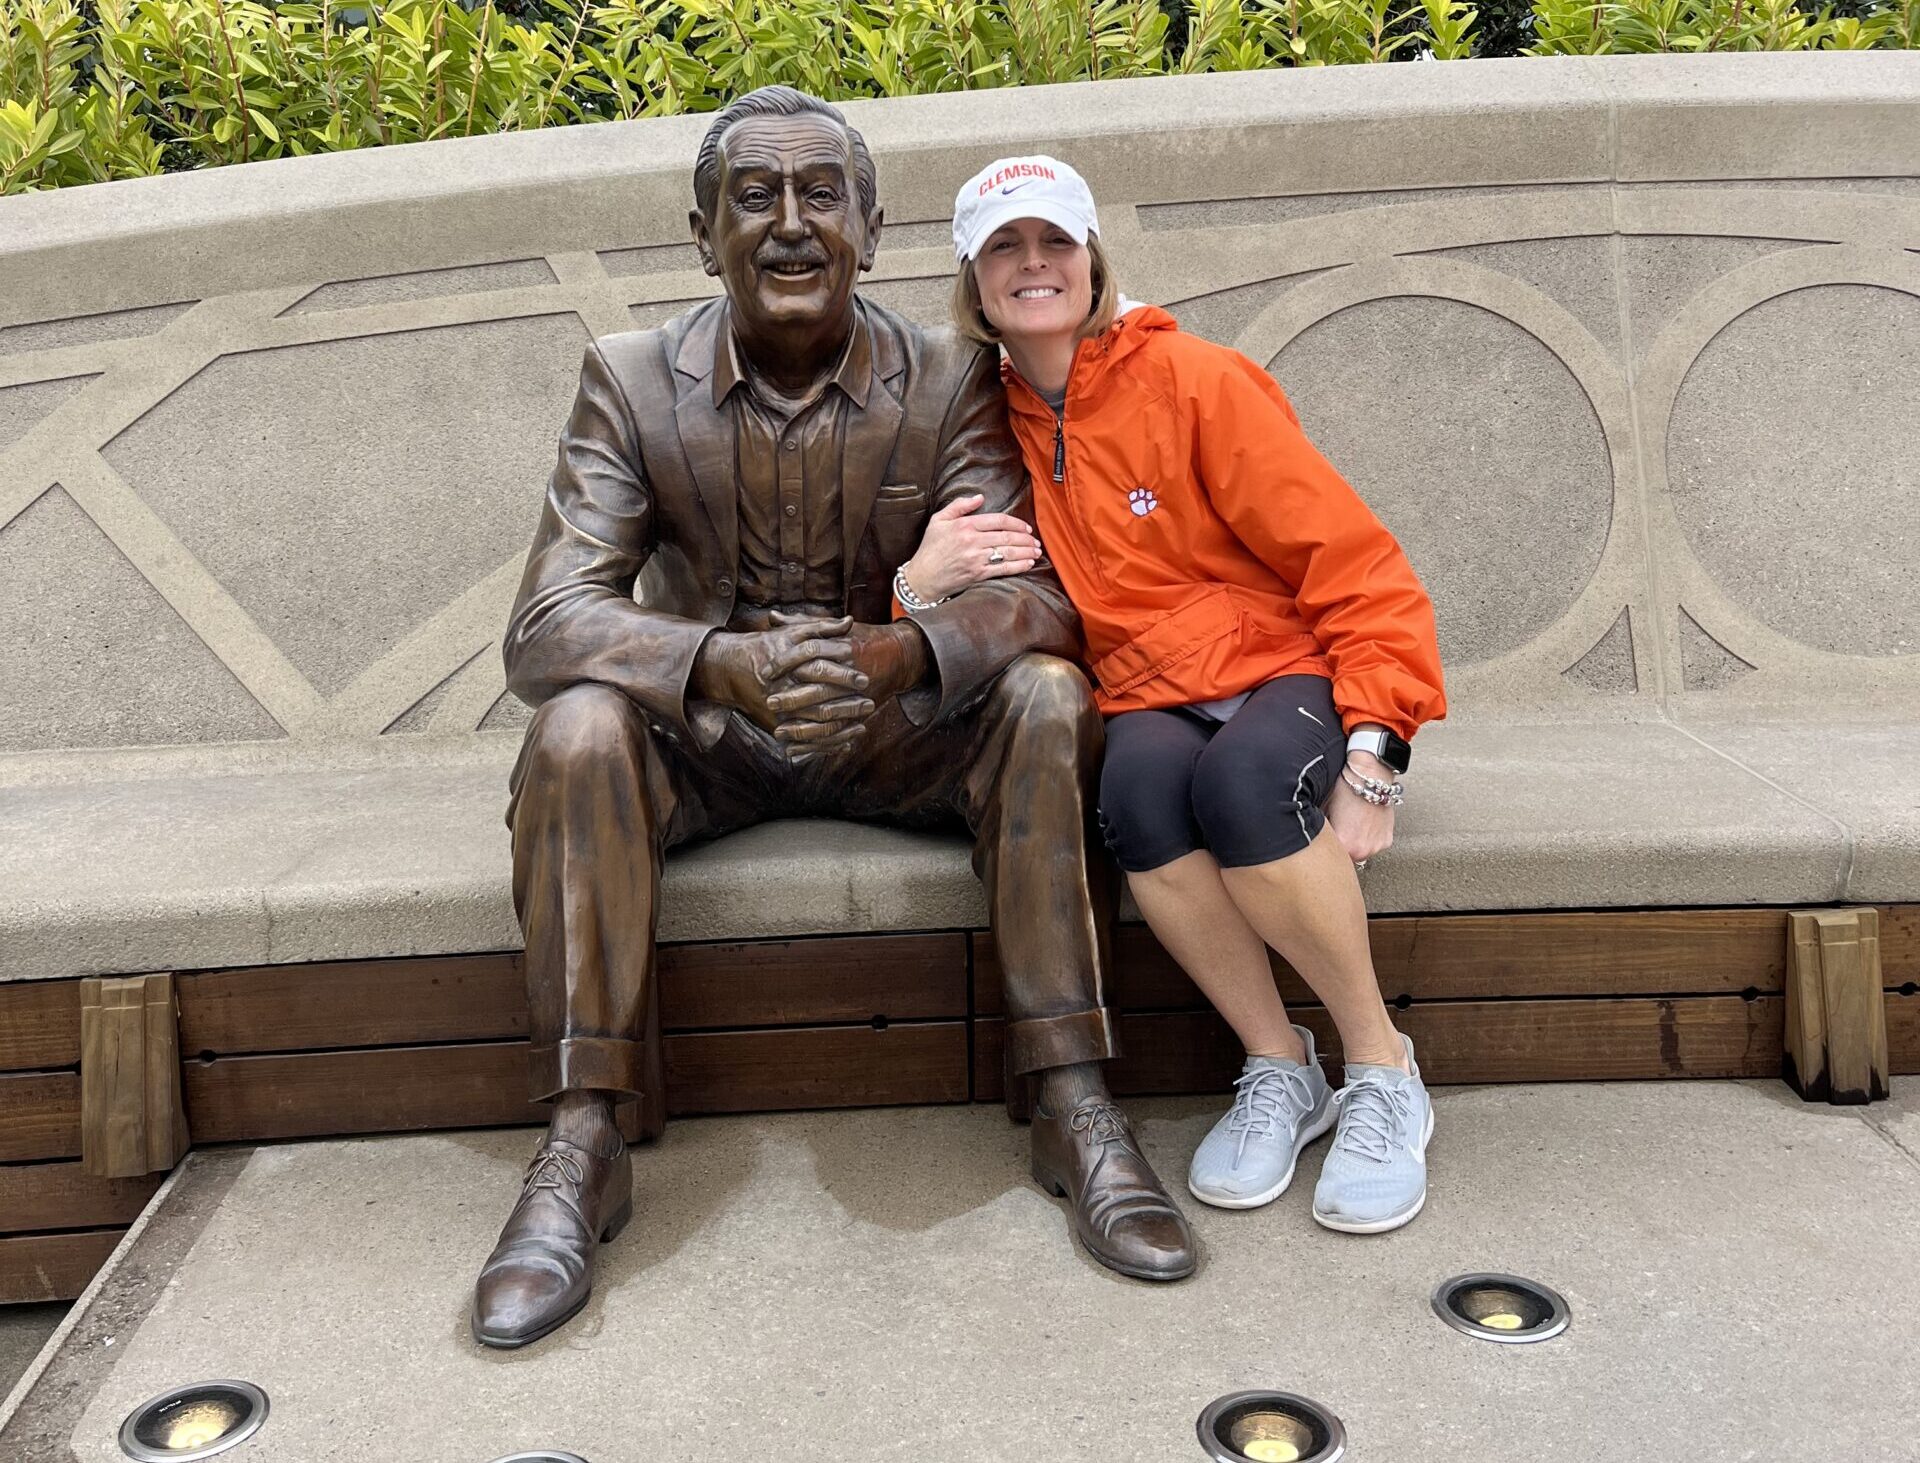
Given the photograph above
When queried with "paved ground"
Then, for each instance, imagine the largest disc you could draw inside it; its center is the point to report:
(23, 1331)
(886, 1284)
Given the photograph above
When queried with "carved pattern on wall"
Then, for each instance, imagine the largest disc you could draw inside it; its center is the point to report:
(1525, 255)
(1608, 669)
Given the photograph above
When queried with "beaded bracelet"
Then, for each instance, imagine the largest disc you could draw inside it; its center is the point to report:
(910, 601)
(1371, 790)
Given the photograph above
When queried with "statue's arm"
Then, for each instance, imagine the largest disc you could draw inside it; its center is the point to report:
(574, 619)
(980, 631)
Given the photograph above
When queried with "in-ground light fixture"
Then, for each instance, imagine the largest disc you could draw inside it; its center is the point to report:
(194, 1421)
(1505, 1308)
(541, 1455)
(1270, 1427)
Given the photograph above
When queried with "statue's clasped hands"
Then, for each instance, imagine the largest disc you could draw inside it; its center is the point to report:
(813, 683)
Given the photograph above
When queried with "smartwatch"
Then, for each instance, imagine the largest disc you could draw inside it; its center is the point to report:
(1389, 748)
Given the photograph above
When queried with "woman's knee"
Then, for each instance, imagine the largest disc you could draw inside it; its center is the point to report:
(1251, 808)
(1146, 810)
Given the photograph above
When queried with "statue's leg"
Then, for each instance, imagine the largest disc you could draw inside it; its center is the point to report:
(1029, 794)
(591, 800)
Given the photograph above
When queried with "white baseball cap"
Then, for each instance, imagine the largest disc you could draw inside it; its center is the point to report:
(1021, 187)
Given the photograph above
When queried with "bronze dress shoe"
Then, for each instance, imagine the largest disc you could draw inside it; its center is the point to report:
(1120, 1212)
(541, 1272)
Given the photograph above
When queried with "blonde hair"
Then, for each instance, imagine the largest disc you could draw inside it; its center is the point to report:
(971, 317)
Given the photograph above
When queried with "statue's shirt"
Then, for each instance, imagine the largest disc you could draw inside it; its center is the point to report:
(787, 462)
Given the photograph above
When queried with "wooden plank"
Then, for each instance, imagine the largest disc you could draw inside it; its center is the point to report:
(352, 1003)
(1602, 953)
(39, 1116)
(65, 1196)
(130, 1114)
(39, 1024)
(1900, 944)
(1856, 1005)
(833, 1066)
(814, 982)
(373, 1003)
(44, 1267)
(1804, 1060)
(1465, 1041)
(384, 1090)
(1447, 957)
(484, 1084)
(1903, 1032)
(1598, 1040)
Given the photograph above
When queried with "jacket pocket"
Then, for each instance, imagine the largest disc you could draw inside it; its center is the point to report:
(900, 498)
(1169, 640)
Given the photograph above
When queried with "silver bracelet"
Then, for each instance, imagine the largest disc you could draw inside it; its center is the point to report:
(1371, 790)
(903, 592)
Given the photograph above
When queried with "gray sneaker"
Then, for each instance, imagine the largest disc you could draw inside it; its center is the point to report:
(1278, 1108)
(1375, 1176)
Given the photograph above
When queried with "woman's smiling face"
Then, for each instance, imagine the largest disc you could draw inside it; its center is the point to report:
(1035, 282)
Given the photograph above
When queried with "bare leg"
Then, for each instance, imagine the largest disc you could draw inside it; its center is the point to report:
(1308, 907)
(1187, 906)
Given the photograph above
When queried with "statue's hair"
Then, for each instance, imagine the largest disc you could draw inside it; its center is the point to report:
(776, 101)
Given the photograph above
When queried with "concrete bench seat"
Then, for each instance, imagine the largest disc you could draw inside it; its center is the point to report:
(268, 867)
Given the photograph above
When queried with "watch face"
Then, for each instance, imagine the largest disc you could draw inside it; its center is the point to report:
(1396, 753)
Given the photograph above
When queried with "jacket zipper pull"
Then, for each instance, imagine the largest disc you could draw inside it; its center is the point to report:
(1059, 451)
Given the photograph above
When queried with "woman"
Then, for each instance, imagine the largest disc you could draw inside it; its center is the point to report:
(1262, 651)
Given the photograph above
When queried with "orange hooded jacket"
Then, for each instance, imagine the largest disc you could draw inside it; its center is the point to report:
(1207, 545)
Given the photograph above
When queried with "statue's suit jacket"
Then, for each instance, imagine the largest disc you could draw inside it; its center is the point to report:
(645, 492)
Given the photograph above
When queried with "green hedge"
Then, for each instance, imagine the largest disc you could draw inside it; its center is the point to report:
(97, 89)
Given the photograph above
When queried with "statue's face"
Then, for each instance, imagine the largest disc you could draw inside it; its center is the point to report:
(788, 236)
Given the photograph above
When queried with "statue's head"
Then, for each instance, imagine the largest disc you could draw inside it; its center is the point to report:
(787, 213)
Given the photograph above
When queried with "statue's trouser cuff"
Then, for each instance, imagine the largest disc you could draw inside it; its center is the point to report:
(1060, 1041)
(607, 1063)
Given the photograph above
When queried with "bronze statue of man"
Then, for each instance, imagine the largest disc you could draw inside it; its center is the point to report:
(760, 467)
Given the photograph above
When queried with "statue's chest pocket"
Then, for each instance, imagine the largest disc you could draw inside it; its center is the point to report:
(899, 514)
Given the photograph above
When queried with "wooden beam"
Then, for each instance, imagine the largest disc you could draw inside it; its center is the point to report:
(1903, 1032)
(1461, 1041)
(39, 1024)
(1470, 956)
(1835, 1046)
(131, 1117)
(371, 1003)
(352, 1003)
(44, 1267)
(66, 1196)
(39, 1116)
(484, 1084)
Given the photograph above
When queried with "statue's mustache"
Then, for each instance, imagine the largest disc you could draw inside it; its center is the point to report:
(772, 258)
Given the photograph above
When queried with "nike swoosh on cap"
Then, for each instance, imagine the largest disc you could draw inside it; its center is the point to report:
(1014, 187)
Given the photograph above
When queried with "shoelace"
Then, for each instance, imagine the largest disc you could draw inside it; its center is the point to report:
(1265, 1098)
(1377, 1112)
(1100, 1121)
(541, 1173)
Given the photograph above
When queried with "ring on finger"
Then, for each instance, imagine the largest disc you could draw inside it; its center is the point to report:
(996, 555)
(1359, 864)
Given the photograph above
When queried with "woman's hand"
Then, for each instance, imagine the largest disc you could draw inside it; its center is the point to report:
(955, 549)
(1363, 829)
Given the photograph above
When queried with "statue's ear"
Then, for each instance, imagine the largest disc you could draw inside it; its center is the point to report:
(703, 242)
(874, 220)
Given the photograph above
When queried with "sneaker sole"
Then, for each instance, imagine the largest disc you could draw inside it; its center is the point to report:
(1392, 1221)
(1267, 1196)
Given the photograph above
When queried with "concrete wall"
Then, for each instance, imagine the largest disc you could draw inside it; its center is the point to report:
(1627, 352)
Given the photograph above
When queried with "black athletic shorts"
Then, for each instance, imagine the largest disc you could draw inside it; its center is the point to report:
(1248, 790)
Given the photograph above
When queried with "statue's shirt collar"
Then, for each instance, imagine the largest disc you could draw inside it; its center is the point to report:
(853, 375)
